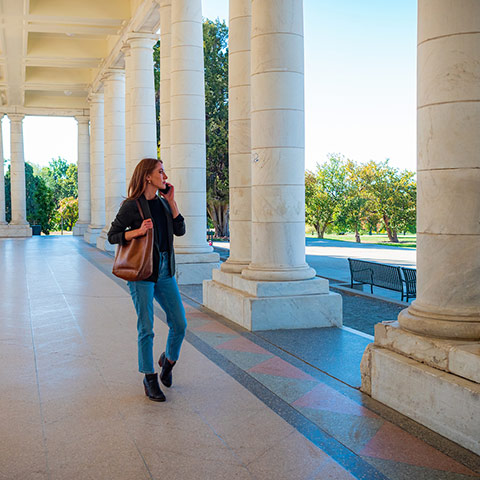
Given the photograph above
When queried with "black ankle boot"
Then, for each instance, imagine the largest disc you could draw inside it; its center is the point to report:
(152, 388)
(166, 373)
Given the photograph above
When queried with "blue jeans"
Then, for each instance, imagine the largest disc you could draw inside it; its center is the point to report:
(166, 292)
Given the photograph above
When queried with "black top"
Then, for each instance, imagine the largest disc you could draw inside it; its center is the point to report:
(129, 218)
(159, 223)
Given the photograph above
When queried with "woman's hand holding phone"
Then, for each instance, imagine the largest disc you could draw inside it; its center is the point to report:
(167, 192)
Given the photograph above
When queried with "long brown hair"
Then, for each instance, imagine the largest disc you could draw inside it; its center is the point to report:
(139, 177)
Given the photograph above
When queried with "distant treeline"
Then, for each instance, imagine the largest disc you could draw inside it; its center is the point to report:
(51, 195)
(344, 196)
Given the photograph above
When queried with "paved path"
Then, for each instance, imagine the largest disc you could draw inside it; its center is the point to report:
(241, 407)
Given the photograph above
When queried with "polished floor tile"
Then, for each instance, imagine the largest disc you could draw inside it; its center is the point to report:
(72, 403)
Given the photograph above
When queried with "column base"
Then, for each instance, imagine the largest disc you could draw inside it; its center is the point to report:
(103, 243)
(440, 324)
(91, 234)
(79, 229)
(194, 268)
(232, 266)
(433, 381)
(257, 305)
(15, 231)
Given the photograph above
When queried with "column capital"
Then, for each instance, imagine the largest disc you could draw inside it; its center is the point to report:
(113, 74)
(82, 118)
(1, 116)
(95, 97)
(16, 117)
(141, 40)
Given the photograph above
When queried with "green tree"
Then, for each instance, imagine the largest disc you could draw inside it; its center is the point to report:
(393, 196)
(39, 199)
(62, 178)
(324, 193)
(68, 212)
(353, 211)
(215, 38)
(156, 75)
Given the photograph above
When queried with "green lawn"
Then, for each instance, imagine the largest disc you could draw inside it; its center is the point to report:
(406, 241)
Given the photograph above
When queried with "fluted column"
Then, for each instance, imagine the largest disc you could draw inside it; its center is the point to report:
(83, 166)
(143, 127)
(165, 48)
(278, 163)
(97, 173)
(114, 145)
(448, 205)
(187, 120)
(2, 177)
(239, 135)
(17, 170)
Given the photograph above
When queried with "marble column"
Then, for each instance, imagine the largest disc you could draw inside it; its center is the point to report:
(277, 289)
(427, 365)
(19, 226)
(83, 166)
(97, 173)
(141, 96)
(195, 258)
(165, 48)
(2, 179)
(3, 224)
(239, 134)
(114, 145)
(278, 143)
(128, 120)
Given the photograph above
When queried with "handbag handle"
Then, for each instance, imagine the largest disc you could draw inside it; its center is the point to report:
(140, 209)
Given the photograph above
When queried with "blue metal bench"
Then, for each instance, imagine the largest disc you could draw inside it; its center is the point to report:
(399, 279)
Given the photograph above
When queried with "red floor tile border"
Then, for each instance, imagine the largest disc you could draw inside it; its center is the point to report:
(393, 443)
(241, 344)
(323, 397)
(280, 368)
(214, 327)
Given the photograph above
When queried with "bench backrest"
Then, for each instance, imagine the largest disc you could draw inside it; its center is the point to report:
(379, 274)
(410, 276)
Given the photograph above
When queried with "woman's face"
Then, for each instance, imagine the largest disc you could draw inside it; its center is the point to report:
(158, 176)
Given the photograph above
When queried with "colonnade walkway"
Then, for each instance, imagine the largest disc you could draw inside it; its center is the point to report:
(243, 405)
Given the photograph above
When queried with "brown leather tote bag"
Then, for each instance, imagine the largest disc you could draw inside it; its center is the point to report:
(134, 260)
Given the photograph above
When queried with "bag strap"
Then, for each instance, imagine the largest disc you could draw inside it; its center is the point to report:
(140, 209)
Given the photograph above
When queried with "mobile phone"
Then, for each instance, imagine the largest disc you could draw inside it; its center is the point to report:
(165, 190)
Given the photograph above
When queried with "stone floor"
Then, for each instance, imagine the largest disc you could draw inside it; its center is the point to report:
(242, 406)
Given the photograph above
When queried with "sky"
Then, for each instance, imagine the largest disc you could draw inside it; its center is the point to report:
(360, 86)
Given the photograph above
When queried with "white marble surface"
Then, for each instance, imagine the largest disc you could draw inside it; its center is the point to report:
(17, 171)
(142, 141)
(165, 53)
(277, 126)
(2, 177)
(187, 123)
(97, 169)
(460, 357)
(114, 149)
(443, 402)
(239, 106)
(194, 273)
(83, 165)
(273, 312)
(11, 230)
(448, 231)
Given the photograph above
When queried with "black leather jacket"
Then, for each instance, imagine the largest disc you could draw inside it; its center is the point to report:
(129, 218)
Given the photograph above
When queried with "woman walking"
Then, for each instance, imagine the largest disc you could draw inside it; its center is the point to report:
(161, 214)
